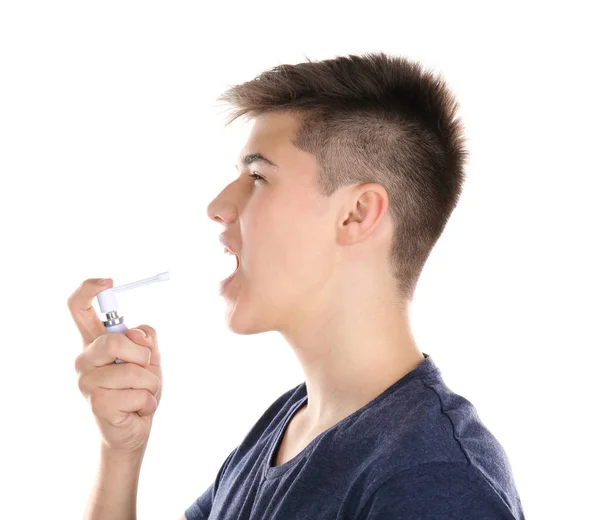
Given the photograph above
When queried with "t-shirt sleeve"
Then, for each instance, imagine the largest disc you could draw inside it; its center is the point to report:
(436, 491)
(200, 509)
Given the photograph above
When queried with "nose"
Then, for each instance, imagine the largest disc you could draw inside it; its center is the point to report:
(210, 210)
(221, 209)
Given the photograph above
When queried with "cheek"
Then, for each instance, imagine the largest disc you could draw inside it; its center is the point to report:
(284, 239)
(270, 215)
(263, 226)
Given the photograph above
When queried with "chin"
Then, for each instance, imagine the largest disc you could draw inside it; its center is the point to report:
(238, 323)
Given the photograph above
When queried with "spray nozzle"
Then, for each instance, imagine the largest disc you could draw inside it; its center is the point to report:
(158, 278)
(107, 300)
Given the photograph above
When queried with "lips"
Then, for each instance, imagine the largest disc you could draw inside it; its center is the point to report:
(225, 241)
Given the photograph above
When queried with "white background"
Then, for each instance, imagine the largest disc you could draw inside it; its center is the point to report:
(112, 145)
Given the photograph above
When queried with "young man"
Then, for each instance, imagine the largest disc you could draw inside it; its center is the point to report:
(349, 175)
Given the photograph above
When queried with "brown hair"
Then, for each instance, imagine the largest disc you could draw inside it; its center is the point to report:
(379, 119)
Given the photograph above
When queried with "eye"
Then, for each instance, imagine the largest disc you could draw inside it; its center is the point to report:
(256, 176)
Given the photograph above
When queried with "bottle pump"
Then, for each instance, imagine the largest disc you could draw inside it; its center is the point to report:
(107, 301)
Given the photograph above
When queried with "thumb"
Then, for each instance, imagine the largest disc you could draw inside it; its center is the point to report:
(150, 340)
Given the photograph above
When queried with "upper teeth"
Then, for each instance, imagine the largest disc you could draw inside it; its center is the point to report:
(229, 252)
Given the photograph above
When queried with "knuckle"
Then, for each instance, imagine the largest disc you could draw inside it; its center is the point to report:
(150, 332)
(140, 399)
(77, 365)
(75, 294)
(71, 301)
(151, 401)
(82, 384)
(149, 329)
(156, 384)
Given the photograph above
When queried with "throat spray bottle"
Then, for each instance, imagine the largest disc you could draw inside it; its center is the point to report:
(107, 301)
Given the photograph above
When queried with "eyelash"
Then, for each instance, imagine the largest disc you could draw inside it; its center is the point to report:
(256, 177)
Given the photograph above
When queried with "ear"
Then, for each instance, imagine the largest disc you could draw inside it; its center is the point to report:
(368, 204)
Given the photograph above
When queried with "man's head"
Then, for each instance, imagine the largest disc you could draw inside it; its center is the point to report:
(369, 161)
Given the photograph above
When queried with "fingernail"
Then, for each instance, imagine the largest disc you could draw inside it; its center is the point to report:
(140, 330)
(103, 281)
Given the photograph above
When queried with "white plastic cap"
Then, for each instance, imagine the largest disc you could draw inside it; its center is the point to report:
(107, 300)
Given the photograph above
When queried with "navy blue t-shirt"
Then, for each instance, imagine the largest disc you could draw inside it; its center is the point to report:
(417, 451)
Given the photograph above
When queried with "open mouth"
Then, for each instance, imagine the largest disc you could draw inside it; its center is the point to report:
(237, 267)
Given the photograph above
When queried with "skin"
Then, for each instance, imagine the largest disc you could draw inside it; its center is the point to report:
(315, 269)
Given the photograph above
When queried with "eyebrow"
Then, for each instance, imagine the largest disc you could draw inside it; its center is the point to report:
(251, 158)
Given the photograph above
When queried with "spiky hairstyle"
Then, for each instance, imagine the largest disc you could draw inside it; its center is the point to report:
(373, 118)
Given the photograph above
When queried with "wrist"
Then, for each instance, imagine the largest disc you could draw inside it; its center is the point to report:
(122, 456)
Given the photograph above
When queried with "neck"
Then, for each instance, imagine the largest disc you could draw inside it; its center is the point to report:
(350, 355)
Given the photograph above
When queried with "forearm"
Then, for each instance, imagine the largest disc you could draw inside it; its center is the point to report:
(114, 493)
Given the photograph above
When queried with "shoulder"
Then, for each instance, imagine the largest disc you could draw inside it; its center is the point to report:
(436, 490)
(431, 447)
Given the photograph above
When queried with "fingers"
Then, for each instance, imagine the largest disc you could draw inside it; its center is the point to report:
(82, 311)
(110, 346)
(150, 341)
(114, 406)
(118, 377)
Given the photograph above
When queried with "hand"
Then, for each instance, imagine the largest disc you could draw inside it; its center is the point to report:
(123, 396)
